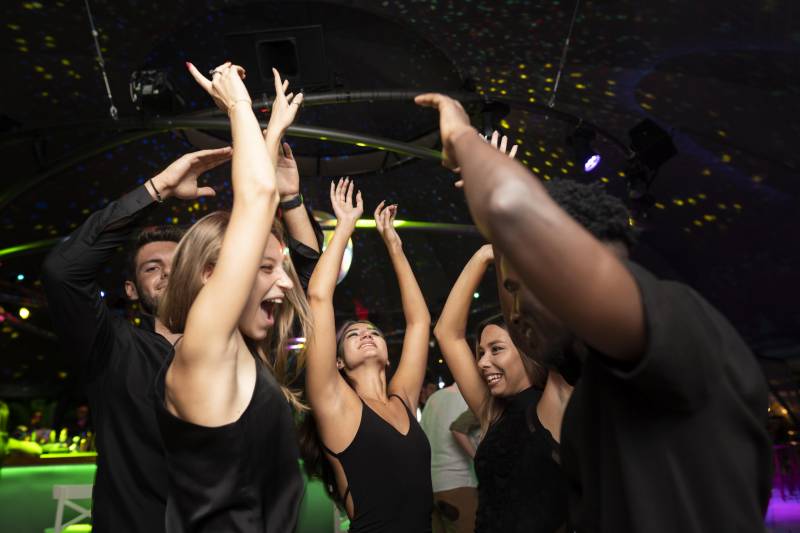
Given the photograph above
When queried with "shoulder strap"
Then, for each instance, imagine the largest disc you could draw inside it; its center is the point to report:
(403, 402)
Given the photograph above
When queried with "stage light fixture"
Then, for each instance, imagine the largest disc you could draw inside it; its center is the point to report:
(580, 139)
(152, 92)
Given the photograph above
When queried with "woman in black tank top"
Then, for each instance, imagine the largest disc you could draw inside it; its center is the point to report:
(521, 487)
(231, 451)
(377, 451)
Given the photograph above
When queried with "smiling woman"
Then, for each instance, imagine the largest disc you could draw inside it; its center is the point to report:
(520, 484)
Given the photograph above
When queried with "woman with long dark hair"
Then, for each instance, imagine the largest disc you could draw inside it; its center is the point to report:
(224, 418)
(375, 454)
(520, 484)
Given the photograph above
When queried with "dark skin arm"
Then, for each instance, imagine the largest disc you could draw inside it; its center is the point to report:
(571, 273)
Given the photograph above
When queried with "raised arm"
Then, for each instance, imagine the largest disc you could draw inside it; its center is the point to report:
(325, 387)
(572, 274)
(450, 331)
(70, 271)
(407, 379)
(295, 216)
(204, 369)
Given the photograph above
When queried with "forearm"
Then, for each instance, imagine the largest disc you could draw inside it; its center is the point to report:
(465, 443)
(251, 173)
(572, 274)
(452, 322)
(415, 309)
(299, 226)
(323, 280)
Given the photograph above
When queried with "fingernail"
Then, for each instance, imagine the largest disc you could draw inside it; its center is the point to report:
(188, 65)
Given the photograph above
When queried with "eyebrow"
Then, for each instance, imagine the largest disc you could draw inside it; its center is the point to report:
(154, 260)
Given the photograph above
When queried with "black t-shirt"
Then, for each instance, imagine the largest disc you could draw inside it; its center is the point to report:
(119, 363)
(678, 441)
(521, 487)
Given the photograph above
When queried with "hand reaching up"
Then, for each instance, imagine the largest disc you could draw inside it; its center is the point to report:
(226, 86)
(384, 222)
(453, 121)
(342, 201)
(284, 108)
(179, 179)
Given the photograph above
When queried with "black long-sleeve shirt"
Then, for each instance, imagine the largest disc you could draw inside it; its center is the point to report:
(119, 363)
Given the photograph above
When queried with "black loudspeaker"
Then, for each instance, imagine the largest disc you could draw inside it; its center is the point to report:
(653, 146)
(298, 53)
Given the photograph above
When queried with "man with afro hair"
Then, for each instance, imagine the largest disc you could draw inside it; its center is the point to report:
(666, 428)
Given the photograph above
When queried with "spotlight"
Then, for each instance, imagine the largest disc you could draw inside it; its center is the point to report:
(24, 313)
(581, 142)
(153, 92)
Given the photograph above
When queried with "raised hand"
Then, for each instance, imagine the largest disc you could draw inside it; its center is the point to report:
(179, 179)
(342, 201)
(502, 148)
(287, 176)
(384, 222)
(284, 107)
(453, 121)
(226, 86)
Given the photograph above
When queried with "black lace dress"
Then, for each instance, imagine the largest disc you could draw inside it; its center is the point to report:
(521, 487)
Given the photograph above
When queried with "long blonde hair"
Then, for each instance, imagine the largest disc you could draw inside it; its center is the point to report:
(494, 406)
(199, 250)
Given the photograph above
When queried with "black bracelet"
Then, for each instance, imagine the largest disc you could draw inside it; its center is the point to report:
(297, 201)
(158, 194)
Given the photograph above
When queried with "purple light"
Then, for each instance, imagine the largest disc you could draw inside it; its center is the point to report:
(591, 163)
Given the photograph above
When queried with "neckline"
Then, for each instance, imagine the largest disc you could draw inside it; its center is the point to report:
(523, 399)
(408, 415)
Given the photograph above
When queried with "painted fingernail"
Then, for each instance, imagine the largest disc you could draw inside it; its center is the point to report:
(188, 65)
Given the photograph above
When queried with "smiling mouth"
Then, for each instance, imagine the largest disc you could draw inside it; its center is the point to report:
(368, 344)
(492, 379)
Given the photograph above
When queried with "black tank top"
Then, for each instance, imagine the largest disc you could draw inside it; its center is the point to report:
(240, 477)
(389, 476)
(521, 487)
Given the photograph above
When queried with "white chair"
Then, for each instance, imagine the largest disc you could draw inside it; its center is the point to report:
(64, 494)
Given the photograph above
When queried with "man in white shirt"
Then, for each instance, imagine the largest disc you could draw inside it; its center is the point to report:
(455, 493)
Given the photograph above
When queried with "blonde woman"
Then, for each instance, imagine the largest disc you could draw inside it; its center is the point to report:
(225, 420)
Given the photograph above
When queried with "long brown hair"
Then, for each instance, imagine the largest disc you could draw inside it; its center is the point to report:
(199, 250)
(494, 406)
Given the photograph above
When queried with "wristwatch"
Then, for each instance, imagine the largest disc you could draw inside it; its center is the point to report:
(297, 201)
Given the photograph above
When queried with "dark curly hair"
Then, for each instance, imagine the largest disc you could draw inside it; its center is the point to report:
(146, 236)
(603, 215)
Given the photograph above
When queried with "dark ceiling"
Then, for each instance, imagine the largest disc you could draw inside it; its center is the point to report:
(722, 77)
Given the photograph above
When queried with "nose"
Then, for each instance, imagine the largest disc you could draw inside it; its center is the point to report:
(483, 361)
(165, 272)
(284, 281)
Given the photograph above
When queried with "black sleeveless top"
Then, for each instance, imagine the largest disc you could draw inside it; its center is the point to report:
(521, 487)
(240, 477)
(389, 476)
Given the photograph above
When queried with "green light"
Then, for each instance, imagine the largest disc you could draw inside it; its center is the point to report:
(367, 223)
(360, 144)
(35, 245)
(67, 454)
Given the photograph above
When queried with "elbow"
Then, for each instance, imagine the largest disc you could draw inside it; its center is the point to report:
(443, 333)
(504, 202)
(53, 268)
(316, 295)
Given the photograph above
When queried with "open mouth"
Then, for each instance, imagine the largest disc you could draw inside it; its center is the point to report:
(268, 307)
(366, 344)
(492, 379)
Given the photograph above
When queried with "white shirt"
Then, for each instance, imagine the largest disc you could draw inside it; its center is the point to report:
(451, 467)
